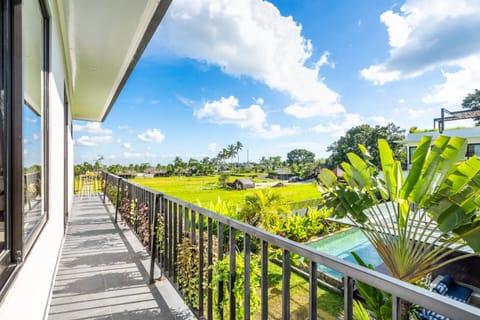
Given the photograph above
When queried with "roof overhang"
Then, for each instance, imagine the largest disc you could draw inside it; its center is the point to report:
(102, 42)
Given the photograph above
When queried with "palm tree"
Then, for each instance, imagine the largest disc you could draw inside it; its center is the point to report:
(231, 152)
(264, 208)
(238, 147)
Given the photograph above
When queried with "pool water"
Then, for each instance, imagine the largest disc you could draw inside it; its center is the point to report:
(341, 244)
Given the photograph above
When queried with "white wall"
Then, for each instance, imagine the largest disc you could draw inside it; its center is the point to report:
(28, 296)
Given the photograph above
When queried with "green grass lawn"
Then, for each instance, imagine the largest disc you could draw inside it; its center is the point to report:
(204, 189)
(329, 303)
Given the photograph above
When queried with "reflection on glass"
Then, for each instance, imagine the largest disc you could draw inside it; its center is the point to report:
(32, 116)
(2, 179)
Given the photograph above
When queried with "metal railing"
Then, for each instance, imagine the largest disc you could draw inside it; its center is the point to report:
(175, 221)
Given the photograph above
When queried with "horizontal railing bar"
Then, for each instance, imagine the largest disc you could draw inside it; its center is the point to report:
(409, 292)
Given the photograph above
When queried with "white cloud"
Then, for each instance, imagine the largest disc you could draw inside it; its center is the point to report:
(123, 127)
(457, 84)
(127, 145)
(185, 101)
(338, 128)
(35, 136)
(212, 147)
(254, 118)
(275, 131)
(92, 127)
(151, 135)
(228, 111)
(88, 141)
(426, 35)
(251, 38)
(132, 155)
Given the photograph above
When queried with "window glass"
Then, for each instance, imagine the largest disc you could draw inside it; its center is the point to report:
(411, 151)
(473, 149)
(32, 117)
(3, 213)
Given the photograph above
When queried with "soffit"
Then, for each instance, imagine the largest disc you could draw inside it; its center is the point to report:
(103, 40)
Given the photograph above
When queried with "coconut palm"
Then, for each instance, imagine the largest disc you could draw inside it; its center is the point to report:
(238, 147)
(415, 224)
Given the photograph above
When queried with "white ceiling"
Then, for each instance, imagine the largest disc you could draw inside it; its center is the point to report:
(102, 41)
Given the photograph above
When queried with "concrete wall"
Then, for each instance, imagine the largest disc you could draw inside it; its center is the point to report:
(29, 294)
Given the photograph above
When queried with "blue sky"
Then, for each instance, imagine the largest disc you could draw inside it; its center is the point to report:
(286, 74)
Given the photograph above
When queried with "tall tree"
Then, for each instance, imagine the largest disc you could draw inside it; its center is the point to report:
(472, 102)
(367, 136)
(231, 151)
(300, 157)
(238, 147)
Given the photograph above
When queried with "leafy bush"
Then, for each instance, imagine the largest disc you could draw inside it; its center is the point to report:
(221, 275)
(298, 228)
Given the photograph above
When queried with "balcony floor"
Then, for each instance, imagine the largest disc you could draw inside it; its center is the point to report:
(103, 273)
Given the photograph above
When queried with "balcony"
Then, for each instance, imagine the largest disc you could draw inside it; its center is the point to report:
(104, 266)
(103, 271)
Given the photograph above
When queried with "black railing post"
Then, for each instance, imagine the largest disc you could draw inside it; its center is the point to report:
(209, 270)
(200, 265)
(285, 284)
(231, 279)
(220, 292)
(174, 239)
(170, 240)
(396, 310)
(312, 306)
(347, 298)
(246, 276)
(104, 182)
(117, 200)
(264, 280)
(153, 238)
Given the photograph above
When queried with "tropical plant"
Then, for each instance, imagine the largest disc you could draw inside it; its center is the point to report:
(221, 277)
(415, 224)
(264, 208)
(378, 302)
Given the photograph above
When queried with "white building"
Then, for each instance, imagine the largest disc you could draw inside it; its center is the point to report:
(60, 60)
(471, 134)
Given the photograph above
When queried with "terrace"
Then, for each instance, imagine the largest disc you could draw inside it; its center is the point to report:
(97, 250)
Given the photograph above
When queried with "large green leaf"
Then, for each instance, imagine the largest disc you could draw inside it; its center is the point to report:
(471, 235)
(445, 153)
(359, 171)
(418, 160)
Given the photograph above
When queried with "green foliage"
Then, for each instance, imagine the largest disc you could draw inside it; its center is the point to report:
(440, 190)
(367, 136)
(223, 179)
(378, 302)
(221, 276)
(298, 228)
(264, 208)
(300, 157)
(188, 268)
(472, 102)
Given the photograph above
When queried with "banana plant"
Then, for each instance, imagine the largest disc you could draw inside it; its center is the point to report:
(414, 223)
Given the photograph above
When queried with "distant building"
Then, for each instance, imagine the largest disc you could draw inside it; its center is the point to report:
(243, 184)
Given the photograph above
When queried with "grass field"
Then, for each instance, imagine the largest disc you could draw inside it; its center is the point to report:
(329, 303)
(204, 189)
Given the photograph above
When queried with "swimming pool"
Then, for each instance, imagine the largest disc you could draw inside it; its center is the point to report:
(341, 244)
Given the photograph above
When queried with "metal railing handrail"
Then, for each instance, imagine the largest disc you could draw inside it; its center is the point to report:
(399, 289)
